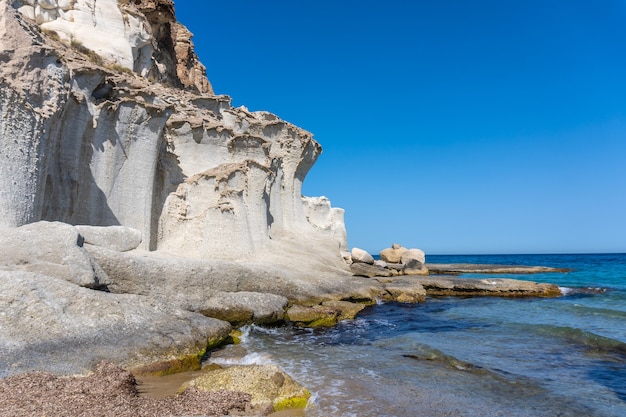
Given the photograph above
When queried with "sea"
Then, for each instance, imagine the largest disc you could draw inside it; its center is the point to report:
(467, 356)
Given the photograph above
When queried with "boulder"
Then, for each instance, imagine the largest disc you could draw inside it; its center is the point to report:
(347, 310)
(271, 388)
(414, 267)
(370, 271)
(361, 256)
(49, 324)
(393, 254)
(314, 316)
(416, 254)
(119, 238)
(244, 307)
(50, 248)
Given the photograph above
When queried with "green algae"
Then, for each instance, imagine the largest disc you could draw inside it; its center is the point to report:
(292, 402)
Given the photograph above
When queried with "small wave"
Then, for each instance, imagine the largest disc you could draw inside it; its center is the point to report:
(249, 359)
(273, 331)
(569, 291)
(584, 310)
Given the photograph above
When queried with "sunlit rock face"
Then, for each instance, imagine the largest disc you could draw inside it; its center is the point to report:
(141, 35)
(85, 142)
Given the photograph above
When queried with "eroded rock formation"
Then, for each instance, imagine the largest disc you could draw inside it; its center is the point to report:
(85, 142)
(107, 122)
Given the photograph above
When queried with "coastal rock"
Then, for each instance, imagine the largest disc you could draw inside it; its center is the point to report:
(414, 267)
(93, 145)
(118, 238)
(329, 220)
(53, 249)
(455, 269)
(413, 254)
(361, 256)
(314, 316)
(404, 290)
(141, 36)
(347, 310)
(190, 283)
(243, 307)
(499, 287)
(270, 387)
(393, 254)
(370, 271)
(52, 325)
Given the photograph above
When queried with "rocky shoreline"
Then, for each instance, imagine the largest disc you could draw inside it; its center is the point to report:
(143, 218)
(158, 315)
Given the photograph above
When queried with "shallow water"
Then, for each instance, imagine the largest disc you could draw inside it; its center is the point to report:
(468, 356)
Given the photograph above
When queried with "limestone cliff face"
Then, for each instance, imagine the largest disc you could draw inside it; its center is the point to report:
(85, 141)
(140, 35)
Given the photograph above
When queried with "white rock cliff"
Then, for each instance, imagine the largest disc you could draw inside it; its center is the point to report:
(85, 142)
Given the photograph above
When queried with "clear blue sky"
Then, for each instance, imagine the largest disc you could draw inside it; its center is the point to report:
(486, 126)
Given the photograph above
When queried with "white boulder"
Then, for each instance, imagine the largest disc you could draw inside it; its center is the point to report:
(361, 256)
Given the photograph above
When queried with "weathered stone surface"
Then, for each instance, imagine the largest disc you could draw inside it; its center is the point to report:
(396, 267)
(404, 290)
(451, 269)
(245, 307)
(393, 254)
(380, 263)
(90, 144)
(361, 256)
(50, 248)
(499, 287)
(347, 310)
(126, 34)
(190, 283)
(271, 388)
(120, 238)
(320, 214)
(414, 267)
(366, 270)
(53, 325)
(416, 254)
(314, 316)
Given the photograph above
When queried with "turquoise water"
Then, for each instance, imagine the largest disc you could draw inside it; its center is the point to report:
(480, 356)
